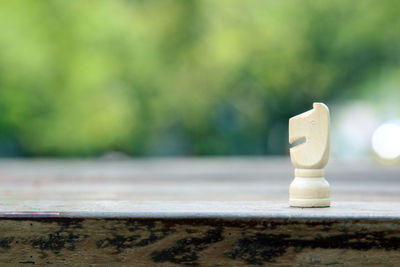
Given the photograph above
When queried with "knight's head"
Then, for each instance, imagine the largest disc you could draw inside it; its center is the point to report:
(312, 125)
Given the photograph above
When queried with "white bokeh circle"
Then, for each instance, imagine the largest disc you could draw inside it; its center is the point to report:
(386, 141)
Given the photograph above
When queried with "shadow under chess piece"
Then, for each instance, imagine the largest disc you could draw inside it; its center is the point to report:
(309, 187)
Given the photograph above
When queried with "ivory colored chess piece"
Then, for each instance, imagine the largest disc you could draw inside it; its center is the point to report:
(309, 187)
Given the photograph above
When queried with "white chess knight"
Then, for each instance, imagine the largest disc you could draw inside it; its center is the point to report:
(309, 187)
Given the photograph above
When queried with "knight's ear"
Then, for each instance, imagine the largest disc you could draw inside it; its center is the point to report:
(318, 105)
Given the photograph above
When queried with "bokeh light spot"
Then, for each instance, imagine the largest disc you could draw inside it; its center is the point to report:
(386, 141)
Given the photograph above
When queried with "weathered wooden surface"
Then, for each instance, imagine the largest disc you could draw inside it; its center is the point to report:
(194, 209)
(187, 179)
(209, 212)
(200, 242)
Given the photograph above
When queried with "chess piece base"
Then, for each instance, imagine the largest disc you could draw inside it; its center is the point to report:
(310, 203)
(309, 192)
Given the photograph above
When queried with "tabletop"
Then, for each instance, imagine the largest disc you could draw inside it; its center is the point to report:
(193, 211)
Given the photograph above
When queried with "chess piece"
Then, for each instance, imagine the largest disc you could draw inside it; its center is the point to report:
(309, 187)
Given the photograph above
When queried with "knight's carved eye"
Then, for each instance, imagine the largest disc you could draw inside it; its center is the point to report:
(313, 122)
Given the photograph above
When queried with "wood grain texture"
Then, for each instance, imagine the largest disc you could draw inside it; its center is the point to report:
(199, 242)
(219, 179)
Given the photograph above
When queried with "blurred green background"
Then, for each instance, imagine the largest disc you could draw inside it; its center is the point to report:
(181, 77)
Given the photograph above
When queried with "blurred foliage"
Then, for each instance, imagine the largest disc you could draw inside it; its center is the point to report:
(173, 77)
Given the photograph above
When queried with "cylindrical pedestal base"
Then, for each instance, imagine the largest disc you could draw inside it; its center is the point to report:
(309, 192)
